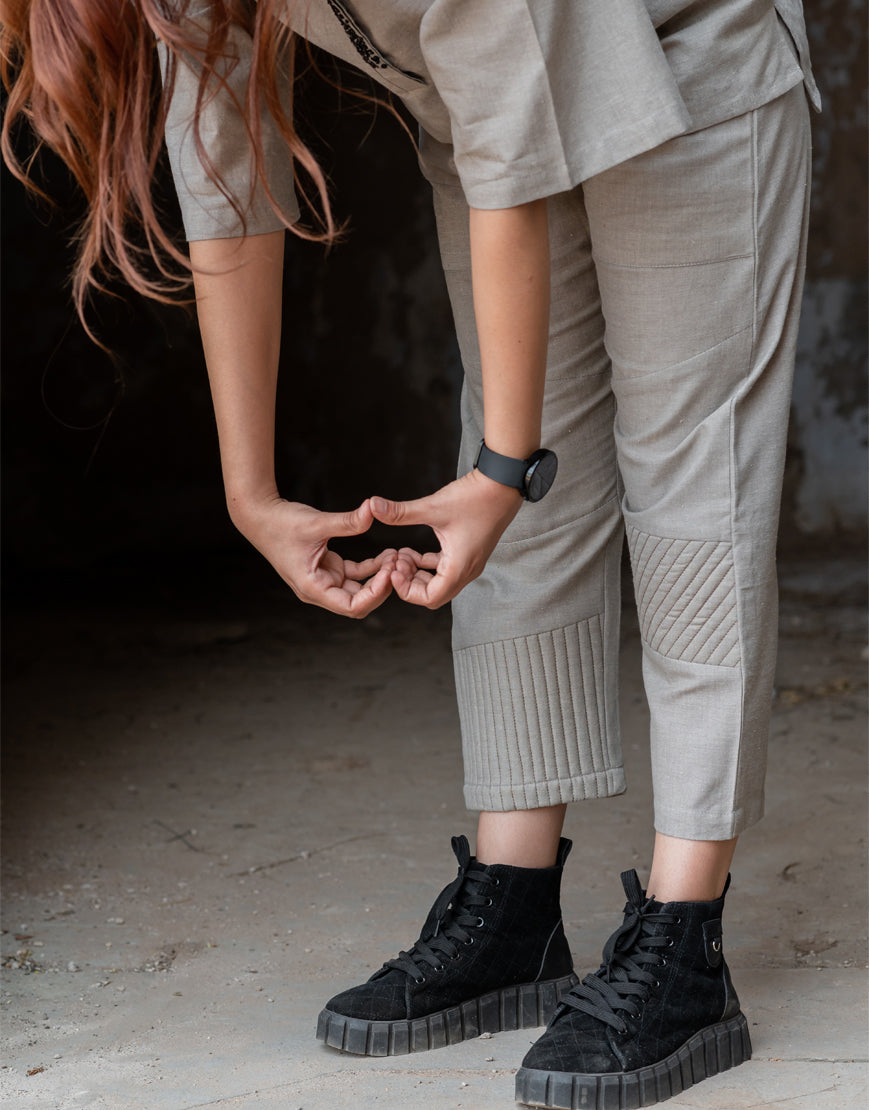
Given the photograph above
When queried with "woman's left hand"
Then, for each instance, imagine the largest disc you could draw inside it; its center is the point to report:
(468, 517)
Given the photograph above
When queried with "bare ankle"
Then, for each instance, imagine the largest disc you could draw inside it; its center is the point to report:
(520, 838)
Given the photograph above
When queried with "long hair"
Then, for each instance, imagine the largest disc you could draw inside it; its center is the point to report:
(85, 75)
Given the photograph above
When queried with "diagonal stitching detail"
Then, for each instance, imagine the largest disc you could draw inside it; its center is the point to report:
(696, 606)
(675, 584)
(685, 592)
(719, 614)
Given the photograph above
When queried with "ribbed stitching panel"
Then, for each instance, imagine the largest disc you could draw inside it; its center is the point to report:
(532, 711)
(686, 598)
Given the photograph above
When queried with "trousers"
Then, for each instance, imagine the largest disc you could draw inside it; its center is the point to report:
(676, 281)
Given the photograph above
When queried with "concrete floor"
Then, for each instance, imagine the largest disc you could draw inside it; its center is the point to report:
(218, 813)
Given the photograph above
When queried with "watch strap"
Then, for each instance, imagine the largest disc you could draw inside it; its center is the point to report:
(502, 468)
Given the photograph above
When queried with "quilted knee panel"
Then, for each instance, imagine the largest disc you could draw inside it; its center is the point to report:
(686, 598)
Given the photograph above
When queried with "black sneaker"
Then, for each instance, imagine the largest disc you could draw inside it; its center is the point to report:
(659, 1015)
(492, 955)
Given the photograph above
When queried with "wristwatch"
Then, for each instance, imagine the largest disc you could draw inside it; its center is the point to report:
(532, 476)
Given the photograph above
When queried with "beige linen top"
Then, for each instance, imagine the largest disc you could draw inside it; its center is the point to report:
(519, 99)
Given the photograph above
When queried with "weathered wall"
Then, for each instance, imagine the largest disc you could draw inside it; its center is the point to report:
(371, 374)
(827, 491)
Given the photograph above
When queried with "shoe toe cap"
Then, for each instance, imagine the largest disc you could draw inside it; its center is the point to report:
(375, 1001)
(578, 1046)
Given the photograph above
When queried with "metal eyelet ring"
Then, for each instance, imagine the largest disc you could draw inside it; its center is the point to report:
(440, 967)
(422, 979)
(497, 882)
(664, 962)
(671, 942)
(488, 902)
(480, 923)
(469, 940)
(658, 983)
(717, 945)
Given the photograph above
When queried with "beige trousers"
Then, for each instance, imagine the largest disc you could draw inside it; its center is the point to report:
(676, 286)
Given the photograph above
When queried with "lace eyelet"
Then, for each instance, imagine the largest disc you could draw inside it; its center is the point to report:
(480, 923)
(440, 967)
(671, 942)
(422, 979)
(664, 962)
(678, 921)
(488, 902)
(469, 941)
(497, 882)
(658, 983)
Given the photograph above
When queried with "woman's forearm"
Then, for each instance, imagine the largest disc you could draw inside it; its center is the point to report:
(510, 267)
(238, 297)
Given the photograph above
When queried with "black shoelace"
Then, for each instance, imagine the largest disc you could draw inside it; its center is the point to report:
(631, 959)
(452, 918)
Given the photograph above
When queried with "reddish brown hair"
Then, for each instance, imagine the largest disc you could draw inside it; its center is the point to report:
(85, 75)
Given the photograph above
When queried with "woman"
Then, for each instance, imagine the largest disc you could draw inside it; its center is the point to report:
(621, 197)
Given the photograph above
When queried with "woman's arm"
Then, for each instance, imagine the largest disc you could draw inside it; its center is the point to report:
(238, 296)
(510, 275)
(510, 267)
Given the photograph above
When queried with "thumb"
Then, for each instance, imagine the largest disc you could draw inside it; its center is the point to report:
(351, 523)
(399, 512)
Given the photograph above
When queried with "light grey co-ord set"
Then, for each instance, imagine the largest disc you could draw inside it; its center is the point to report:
(671, 139)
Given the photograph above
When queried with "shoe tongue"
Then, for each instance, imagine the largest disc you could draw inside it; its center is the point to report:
(631, 886)
(461, 850)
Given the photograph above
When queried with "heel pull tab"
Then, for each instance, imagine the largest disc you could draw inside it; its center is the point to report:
(713, 942)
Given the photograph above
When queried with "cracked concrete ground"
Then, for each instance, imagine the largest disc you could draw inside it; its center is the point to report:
(220, 811)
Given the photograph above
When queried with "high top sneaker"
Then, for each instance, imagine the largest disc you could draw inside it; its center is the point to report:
(492, 955)
(659, 1015)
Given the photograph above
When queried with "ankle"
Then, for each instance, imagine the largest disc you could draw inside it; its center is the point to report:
(521, 838)
(689, 870)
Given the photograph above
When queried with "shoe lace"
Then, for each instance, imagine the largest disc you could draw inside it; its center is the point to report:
(451, 918)
(615, 992)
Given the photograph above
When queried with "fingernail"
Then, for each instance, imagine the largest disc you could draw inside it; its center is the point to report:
(379, 505)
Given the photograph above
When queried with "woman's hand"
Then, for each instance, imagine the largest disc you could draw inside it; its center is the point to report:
(468, 517)
(294, 539)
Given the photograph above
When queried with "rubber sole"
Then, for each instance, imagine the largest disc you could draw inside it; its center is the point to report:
(526, 1006)
(714, 1049)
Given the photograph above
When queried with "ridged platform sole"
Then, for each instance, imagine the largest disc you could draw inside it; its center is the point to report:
(526, 1006)
(714, 1049)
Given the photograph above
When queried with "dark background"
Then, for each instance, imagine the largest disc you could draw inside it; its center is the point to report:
(111, 470)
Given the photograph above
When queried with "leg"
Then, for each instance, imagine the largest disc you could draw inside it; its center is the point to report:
(699, 247)
(535, 641)
(535, 637)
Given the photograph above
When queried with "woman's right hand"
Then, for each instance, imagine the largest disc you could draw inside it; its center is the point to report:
(294, 539)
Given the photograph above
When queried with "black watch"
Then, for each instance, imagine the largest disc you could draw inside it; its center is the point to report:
(532, 476)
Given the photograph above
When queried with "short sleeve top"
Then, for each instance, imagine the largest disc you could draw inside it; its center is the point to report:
(516, 99)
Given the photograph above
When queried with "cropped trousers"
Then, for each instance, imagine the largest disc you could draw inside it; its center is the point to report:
(676, 281)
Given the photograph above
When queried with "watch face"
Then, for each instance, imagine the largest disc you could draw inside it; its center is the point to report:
(541, 474)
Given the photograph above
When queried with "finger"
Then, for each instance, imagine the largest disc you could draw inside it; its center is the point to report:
(400, 512)
(427, 559)
(353, 599)
(373, 593)
(430, 591)
(369, 567)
